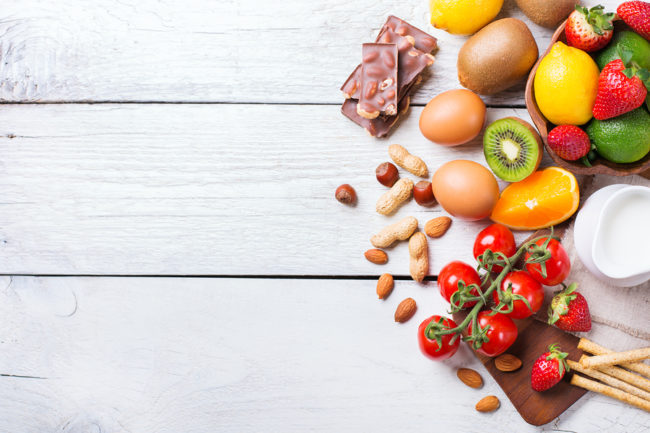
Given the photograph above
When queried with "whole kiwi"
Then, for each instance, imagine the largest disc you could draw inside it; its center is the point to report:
(497, 57)
(547, 13)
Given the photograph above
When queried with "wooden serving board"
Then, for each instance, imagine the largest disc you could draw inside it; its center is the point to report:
(536, 408)
(535, 335)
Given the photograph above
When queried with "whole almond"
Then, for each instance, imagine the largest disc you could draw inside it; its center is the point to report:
(470, 377)
(405, 310)
(385, 285)
(507, 362)
(376, 256)
(488, 404)
(437, 227)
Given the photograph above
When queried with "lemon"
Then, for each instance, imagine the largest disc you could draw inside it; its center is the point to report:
(463, 17)
(566, 83)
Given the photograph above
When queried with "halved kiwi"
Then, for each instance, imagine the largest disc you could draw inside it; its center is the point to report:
(513, 148)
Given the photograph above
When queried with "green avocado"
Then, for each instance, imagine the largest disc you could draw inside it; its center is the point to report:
(622, 139)
(639, 47)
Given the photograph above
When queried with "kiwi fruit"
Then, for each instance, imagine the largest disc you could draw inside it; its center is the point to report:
(497, 57)
(512, 148)
(547, 13)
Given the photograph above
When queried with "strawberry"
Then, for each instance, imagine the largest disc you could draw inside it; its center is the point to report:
(549, 369)
(569, 311)
(636, 14)
(569, 142)
(589, 29)
(620, 88)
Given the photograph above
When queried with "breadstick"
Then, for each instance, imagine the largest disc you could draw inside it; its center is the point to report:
(616, 358)
(634, 379)
(598, 387)
(609, 380)
(597, 349)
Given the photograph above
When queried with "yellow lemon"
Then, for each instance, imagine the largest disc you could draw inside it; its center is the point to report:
(566, 84)
(463, 17)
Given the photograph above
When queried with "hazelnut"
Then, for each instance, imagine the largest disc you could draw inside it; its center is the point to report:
(423, 193)
(345, 194)
(387, 174)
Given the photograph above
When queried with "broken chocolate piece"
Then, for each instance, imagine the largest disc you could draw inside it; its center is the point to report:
(378, 81)
(411, 60)
(378, 127)
(421, 40)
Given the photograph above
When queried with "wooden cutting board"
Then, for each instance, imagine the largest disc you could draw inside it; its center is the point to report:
(536, 408)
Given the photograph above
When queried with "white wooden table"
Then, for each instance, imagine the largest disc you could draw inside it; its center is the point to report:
(172, 255)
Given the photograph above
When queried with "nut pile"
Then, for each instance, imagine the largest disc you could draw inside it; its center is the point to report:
(406, 229)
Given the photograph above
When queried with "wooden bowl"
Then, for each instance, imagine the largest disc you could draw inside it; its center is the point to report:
(600, 165)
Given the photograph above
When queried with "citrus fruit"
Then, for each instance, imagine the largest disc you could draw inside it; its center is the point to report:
(463, 17)
(565, 84)
(624, 138)
(545, 198)
(626, 40)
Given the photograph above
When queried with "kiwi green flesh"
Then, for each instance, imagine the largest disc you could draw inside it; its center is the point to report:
(512, 149)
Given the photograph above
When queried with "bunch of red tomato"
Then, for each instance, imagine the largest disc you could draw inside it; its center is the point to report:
(516, 294)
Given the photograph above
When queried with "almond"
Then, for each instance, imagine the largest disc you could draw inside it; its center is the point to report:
(507, 362)
(470, 377)
(376, 256)
(405, 310)
(488, 404)
(385, 285)
(437, 227)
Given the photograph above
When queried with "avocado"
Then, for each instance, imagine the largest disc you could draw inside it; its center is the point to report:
(497, 56)
(622, 139)
(630, 41)
(547, 13)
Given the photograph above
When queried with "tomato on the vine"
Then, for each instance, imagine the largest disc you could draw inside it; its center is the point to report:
(430, 348)
(520, 283)
(558, 265)
(497, 238)
(502, 332)
(451, 274)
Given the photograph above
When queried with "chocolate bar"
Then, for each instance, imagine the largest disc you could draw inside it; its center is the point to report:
(411, 60)
(421, 40)
(378, 81)
(380, 126)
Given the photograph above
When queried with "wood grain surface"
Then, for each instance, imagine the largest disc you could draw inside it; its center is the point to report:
(240, 183)
(293, 51)
(240, 355)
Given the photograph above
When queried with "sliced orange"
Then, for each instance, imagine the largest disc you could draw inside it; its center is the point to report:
(545, 198)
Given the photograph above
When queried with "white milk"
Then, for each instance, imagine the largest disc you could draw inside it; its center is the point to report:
(622, 244)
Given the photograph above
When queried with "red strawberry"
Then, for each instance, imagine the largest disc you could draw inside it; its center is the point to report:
(569, 142)
(636, 14)
(620, 89)
(589, 29)
(549, 369)
(569, 311)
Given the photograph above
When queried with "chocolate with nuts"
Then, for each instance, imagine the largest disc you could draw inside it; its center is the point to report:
(379, 127)
(421, 40)
(378, 81)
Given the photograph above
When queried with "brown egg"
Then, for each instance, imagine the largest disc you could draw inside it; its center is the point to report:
(465, 189)
(453, 117)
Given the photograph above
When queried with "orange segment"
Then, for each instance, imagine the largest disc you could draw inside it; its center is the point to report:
(545, 198)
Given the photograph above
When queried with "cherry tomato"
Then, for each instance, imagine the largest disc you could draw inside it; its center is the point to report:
(501, 334)
(558, 265)
(430, 347)
(522, 284)
(497, 238)
(451, 274)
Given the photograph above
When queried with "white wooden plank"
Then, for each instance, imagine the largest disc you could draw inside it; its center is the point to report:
(205, 355)
(199, 50)
(202, 189)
